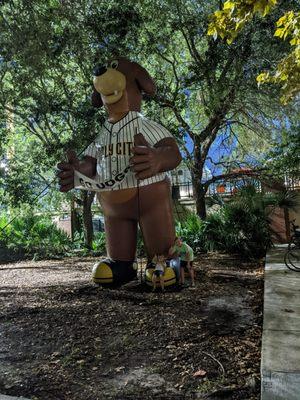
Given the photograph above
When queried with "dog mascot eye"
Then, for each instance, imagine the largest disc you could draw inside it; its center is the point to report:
(114, 64)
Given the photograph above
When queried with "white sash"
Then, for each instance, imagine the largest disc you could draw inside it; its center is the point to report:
(83, 182)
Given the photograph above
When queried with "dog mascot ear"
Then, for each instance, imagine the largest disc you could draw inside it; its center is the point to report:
(144, 80)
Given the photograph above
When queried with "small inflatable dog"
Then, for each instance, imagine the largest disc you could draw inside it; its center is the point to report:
(129, 158)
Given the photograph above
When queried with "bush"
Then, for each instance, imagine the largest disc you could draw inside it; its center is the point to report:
(244, 231)
(34, 236)
(99, 244)
(240, 226)
(192, 231)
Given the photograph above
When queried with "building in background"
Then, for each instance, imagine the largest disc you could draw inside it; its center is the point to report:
(181, 179)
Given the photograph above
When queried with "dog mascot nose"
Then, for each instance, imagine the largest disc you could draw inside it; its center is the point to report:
(99, 70)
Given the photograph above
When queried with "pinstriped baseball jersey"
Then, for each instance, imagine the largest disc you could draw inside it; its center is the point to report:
(112, 148)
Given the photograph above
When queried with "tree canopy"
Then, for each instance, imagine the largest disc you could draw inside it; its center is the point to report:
(207, 89)
(232, 18)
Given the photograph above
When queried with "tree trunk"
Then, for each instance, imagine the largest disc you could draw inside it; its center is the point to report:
(197, 172)
(76, 222)
(73, 216)
(199, 196)
(199, 191)
(87, 199)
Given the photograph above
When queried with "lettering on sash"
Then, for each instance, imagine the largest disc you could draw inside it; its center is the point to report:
(83, 182)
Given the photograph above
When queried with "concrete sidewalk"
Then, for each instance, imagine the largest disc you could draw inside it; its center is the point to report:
(280, 364)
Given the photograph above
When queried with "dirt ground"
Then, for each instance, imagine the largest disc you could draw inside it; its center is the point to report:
(63, 338)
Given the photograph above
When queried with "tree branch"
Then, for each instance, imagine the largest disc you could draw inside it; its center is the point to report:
(167, 103)
(174, 72)
(230, 175)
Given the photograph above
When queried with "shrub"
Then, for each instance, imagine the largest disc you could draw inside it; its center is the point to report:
(99, 244)
(34, 236)
(240, 226)
(192, 231)
(248, 231)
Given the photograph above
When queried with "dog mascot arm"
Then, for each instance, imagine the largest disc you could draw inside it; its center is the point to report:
(66, 175)
(149, 161)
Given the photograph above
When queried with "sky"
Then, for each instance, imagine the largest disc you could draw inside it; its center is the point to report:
(216, 152)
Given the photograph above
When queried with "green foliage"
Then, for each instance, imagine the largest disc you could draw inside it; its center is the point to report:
(141, 251)
(192, 230)
(284, 157)
(229, 22)
(34, 235)
(49, 48)
(287, 73)
(38, 237)
(240, 226)
(99, 244)
(289, 200)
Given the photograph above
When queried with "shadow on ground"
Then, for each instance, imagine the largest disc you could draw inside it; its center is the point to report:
(70, 340)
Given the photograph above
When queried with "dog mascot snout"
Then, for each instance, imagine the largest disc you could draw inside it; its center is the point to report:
(110, 83)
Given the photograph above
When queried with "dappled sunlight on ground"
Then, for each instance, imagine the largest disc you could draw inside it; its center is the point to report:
(64, 338)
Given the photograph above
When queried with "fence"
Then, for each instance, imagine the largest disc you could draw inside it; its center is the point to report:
(184, 190)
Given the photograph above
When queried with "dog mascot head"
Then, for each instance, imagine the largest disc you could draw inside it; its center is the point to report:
(120, 84)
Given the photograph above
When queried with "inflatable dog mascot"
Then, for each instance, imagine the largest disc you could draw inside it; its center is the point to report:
(128, 159)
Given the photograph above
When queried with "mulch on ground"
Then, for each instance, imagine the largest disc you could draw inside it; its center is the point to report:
(63, 338)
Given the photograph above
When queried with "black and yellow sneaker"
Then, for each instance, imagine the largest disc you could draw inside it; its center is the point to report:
(114, 273)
